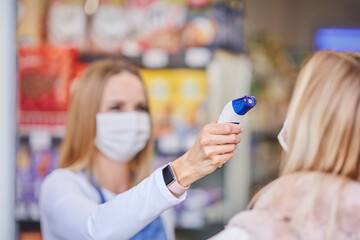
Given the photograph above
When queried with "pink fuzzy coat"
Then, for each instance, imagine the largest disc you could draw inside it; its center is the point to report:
(277, 212)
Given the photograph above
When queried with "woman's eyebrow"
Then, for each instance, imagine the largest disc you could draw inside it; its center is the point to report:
(114, 101)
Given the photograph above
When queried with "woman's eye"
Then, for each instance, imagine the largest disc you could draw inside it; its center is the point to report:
(115, 108)
(143, 108)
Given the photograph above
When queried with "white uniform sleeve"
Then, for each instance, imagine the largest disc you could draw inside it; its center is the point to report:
(71, 215)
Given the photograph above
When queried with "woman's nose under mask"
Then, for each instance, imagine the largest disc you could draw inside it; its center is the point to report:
(120, 136)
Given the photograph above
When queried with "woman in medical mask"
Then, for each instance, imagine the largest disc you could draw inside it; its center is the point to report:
(317, 195)
(102, 189)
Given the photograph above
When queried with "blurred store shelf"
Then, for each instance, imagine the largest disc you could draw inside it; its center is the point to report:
(197, 58)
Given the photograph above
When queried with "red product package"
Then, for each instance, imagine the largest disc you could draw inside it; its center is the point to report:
(44, 75)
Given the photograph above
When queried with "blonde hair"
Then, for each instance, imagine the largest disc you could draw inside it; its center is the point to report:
(78, 148)
(323, 124)
(323, 132)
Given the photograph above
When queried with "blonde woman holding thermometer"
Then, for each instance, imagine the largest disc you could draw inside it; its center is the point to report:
(103, 188)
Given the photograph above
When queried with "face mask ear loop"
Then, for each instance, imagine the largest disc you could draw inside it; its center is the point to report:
(282, 136)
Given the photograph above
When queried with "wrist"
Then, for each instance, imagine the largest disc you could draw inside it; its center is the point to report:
(183, 171)
(172, 183)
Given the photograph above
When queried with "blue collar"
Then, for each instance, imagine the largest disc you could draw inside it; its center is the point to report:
(97, 187)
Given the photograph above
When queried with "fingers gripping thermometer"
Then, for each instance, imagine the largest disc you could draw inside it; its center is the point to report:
(235, 109)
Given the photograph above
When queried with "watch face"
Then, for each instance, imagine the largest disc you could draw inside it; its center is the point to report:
(168, 175)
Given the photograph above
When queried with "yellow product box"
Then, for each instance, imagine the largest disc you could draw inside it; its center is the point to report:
(159, 90)
(190, 93)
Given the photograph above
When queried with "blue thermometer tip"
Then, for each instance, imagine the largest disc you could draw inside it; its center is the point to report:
(242, 105)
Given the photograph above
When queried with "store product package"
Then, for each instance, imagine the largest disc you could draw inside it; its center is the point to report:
(160, 92)
(36, 158)
(29, 180)
(201, 27)
(44, 77)
(66, 24)
(190, 95)
(31, 15)
(158, 24)
(109, 26)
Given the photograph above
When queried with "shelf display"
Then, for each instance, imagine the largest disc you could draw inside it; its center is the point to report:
(37, 157)
(202, 207)
(133, 27)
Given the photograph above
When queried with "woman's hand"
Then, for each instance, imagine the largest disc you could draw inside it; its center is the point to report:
(214, 146)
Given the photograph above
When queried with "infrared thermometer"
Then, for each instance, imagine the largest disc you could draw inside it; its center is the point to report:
(235, 109)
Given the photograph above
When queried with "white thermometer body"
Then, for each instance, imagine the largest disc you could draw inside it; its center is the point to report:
(235, 109)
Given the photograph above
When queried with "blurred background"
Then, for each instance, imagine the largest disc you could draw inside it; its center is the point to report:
(195, 56)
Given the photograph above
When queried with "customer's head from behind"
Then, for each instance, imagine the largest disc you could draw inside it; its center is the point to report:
(107, 86)
(323, 121)
(316, 196)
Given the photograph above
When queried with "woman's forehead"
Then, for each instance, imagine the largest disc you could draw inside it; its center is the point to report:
(123, 86)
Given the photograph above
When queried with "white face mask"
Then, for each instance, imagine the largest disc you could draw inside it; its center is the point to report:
(120, 136)
(282, 137)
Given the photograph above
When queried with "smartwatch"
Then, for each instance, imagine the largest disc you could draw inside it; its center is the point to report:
(171, 182)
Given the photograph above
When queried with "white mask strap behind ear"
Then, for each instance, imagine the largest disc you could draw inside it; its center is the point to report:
(282, 136)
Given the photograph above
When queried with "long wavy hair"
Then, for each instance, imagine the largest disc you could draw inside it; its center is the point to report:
(78, 149)
(323, 131)
(323, 123)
